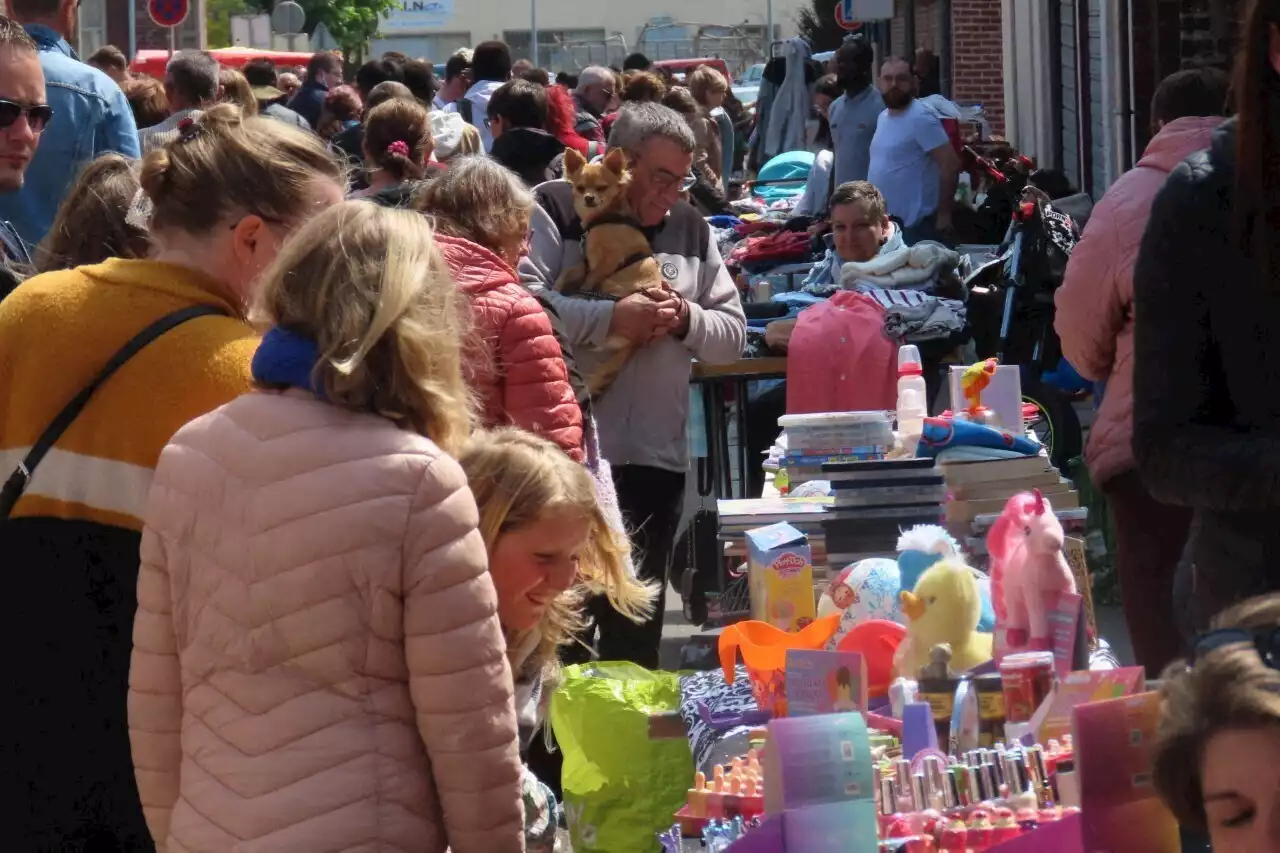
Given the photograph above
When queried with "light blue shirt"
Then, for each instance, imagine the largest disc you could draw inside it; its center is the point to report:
(853, 124)
(90, 117)
(901, 165)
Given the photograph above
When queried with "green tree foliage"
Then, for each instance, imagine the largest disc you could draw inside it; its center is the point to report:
(817, 25)
(352, 22)
(219, 13)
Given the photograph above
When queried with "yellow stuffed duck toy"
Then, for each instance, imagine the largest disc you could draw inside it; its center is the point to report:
(945, 608)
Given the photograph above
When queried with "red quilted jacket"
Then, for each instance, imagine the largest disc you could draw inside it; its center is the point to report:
(513, 361)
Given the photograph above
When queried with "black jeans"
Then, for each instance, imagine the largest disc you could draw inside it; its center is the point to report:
(651, 500)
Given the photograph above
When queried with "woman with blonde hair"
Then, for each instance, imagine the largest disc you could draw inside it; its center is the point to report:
(712, 127)
(93, 224)
(1217, 752)
(550, 545)
(318, 664)
(170, 331)
(236, 90)
(513, 360)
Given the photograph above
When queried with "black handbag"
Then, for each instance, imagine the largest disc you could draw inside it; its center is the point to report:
(17, 483)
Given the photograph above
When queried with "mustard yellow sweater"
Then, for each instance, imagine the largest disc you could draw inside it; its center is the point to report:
(57, 330)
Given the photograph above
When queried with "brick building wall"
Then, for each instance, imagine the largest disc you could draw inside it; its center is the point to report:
(1209, 32)
(976, 51)
(977, 57)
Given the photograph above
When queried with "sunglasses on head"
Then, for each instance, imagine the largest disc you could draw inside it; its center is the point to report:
(1266, 643)
(38, 115)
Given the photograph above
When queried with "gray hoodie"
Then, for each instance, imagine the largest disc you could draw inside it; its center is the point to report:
(643, 416)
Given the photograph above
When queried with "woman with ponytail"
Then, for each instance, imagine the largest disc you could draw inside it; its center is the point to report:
(318, 660)
(397, 151)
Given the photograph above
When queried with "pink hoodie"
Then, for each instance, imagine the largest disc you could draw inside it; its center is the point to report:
(1095, 303)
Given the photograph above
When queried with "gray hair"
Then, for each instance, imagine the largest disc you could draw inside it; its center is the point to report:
(194, 76)
(640, 121)
(594, 75)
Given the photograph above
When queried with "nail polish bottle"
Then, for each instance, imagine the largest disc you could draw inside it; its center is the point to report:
(889, 813)
(715, 798)
(698, 795)
(733, 798)
(752, 800)
(979, 830)
(1006, 827)
(955, 838)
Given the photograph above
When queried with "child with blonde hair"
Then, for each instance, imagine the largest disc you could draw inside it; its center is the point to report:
(550, 545)
(318, 661)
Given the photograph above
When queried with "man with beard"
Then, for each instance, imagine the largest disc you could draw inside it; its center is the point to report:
(852, 116)
(912, 161)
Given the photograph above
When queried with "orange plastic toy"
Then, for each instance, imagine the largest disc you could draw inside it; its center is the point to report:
(764, 651)
(877, 640)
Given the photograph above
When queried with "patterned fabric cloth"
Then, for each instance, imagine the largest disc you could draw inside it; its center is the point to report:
(709, 689)
(541, 815)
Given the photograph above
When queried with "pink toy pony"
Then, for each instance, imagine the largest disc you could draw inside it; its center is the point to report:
(1025, 545)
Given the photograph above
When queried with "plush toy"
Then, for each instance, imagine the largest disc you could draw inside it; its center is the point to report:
(1025, 545)
(943, 609)
(870, 588)
(925, 544)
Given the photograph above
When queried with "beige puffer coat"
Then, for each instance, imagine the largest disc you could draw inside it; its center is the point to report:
(317, 660)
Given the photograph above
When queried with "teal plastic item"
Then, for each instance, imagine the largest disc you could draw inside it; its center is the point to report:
(793, 165)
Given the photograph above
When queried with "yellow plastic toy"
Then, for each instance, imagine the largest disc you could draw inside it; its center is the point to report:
(764, 651)
(943, 608)
(974, 381)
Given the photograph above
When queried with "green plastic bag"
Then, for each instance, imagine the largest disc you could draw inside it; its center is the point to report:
(620, 787)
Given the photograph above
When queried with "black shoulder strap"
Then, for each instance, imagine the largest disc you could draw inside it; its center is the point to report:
(18, 480)
(465, 109)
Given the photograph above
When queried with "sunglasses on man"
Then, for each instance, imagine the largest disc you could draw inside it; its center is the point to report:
(38, 115)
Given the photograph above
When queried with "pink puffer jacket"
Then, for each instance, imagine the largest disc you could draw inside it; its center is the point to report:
(1095, 303)
(515, 364)
(317, 660)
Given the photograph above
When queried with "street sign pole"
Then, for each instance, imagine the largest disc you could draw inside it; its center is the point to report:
(169, 14)
(533, 31)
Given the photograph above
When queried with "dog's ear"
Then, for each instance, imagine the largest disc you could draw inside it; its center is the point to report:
(616, 161)
(573, 162)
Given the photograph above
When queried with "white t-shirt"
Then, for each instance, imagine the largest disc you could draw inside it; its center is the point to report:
(901, 167)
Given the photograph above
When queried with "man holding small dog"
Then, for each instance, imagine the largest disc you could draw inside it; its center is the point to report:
(691, 311)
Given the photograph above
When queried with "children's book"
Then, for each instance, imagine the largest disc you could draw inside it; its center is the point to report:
(822, 682)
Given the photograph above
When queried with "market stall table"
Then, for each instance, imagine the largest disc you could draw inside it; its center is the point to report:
(713, 378)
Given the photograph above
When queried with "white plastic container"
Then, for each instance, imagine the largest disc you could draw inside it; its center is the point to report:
(912, 394)
(831, 430)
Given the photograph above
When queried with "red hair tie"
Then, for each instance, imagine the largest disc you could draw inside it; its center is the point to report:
(399, 147)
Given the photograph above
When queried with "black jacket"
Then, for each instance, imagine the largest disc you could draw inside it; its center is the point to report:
(529, 152)
(1207, 379)
(308, 101)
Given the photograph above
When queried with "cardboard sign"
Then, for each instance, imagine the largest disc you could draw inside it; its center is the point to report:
(1121, 811)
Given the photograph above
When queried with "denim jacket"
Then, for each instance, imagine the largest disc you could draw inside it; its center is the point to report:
(90, 117)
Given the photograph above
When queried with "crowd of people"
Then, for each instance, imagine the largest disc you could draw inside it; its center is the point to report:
(309, 489)
(309, 501)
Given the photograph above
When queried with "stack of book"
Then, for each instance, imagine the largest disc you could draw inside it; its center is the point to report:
(979, 488)
(872, 502)
(815, 440)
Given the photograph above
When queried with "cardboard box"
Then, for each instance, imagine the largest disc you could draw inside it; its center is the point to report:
(780, 576)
